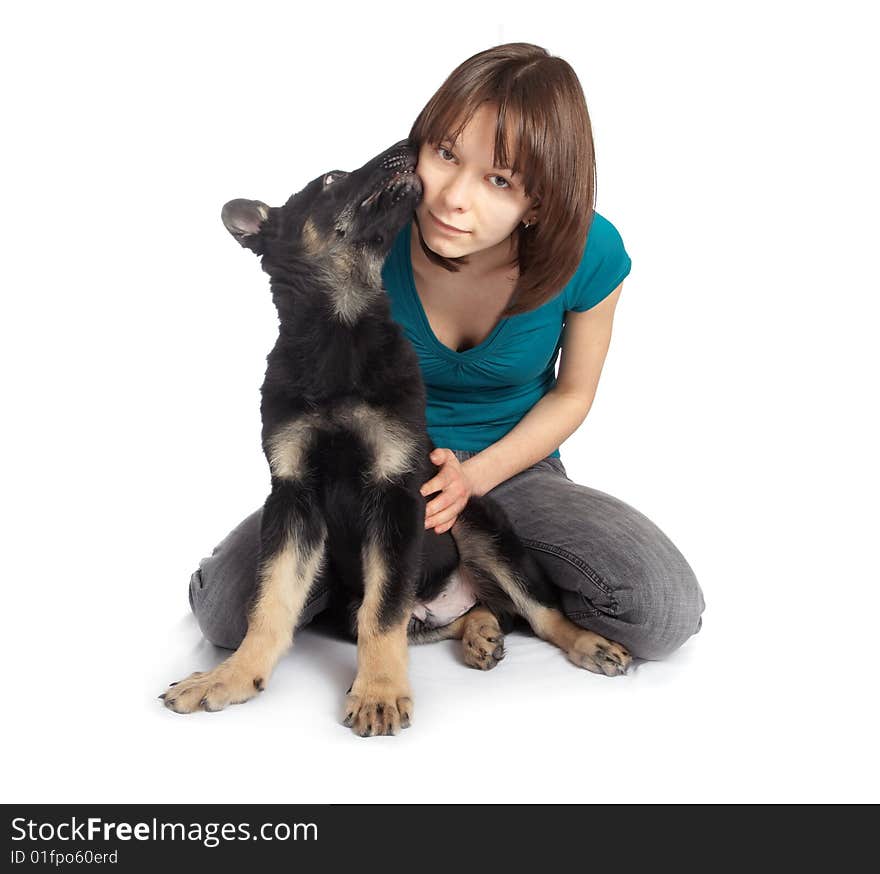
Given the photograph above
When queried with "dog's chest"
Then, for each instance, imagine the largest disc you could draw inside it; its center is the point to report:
(392, 449)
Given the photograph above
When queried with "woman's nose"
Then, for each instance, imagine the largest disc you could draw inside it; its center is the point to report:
(456, 193)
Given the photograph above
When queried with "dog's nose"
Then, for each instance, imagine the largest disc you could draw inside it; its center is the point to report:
(401, 157)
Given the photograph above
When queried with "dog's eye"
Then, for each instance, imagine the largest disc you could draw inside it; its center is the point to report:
(334, 176)
(340, 233)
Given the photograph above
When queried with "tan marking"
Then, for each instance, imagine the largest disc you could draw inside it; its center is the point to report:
(312, 241)
(380, 700)
(350, 301)
(479, 631)
(481, 549)
(284, 582)
(287, 446)
(353, 287)
(482, 639)
(392, 445)
(352, 278)
(585, 648)
(552, 625)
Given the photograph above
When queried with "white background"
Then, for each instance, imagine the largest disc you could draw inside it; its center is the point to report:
(737, 155)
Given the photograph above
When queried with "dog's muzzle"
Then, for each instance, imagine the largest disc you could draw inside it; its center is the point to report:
(404, 168)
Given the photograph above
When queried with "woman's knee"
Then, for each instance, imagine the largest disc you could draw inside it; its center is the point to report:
(221, 588)
(219, 604)
(652, 610)
(665, 611)
(655, 592)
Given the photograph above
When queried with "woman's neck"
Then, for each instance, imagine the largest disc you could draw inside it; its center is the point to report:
(485, 265)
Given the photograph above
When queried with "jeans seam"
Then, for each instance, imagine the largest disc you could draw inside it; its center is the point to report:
(577, 562)
(313, 596)
(584, 614)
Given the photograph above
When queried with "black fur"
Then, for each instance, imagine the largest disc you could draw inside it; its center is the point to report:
(338, 344)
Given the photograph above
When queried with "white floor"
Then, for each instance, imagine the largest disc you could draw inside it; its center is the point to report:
(732, 716)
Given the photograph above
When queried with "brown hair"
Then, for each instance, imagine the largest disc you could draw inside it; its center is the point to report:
(541, 98)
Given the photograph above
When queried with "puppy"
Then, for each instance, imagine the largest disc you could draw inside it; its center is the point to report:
(344, 433)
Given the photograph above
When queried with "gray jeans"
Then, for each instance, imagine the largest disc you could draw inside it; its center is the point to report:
(618, 574)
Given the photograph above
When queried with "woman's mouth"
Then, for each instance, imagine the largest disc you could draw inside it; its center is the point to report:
(448, 229)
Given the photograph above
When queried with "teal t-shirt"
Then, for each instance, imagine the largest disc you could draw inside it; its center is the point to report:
(475, 397)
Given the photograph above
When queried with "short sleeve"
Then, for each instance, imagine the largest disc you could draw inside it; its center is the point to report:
(604, 266)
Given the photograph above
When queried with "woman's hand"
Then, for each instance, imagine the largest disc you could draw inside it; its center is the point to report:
(455, 489)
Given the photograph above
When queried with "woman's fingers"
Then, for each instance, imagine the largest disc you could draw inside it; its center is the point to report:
(442, 511)
(449, 470)
(446, 517)
(432, 485)
(447, 498)
(443, 526)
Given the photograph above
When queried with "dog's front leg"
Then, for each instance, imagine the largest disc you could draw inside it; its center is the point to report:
(380, 700)
(288, 569)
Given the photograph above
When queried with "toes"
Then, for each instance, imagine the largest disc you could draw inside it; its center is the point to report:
(600, 655)
(405, 709)
(485, 649)
(483, 660)
(212, 691)
(392, 721)
(215, 698)
(492, 633)
(352, 705)
(599, 662)
(582, 660)
(619, 658)
(377, 718)
(371, 720)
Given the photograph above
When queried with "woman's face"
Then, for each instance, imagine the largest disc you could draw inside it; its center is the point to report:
(464, 190)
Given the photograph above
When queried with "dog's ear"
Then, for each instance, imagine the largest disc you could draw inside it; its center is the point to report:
(243, 219)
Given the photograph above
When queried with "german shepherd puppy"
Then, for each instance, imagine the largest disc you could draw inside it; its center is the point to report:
(343, 412)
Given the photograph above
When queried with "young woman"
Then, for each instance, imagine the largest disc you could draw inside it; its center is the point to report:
(504, 265)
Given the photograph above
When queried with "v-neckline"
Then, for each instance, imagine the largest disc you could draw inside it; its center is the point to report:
(467, 354)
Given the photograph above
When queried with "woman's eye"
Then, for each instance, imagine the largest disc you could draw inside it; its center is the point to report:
(442, 149)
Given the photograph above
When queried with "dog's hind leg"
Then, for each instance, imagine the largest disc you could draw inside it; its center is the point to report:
(292, 554)
(480, 633)
(490, 550)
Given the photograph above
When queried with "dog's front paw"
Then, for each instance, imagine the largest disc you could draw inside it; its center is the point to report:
(378, 710)
(599, 655)
(483, 643)
(226, 684)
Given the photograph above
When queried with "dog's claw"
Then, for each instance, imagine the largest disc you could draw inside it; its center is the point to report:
(483, 645)
(599, 655)
(373, 716)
